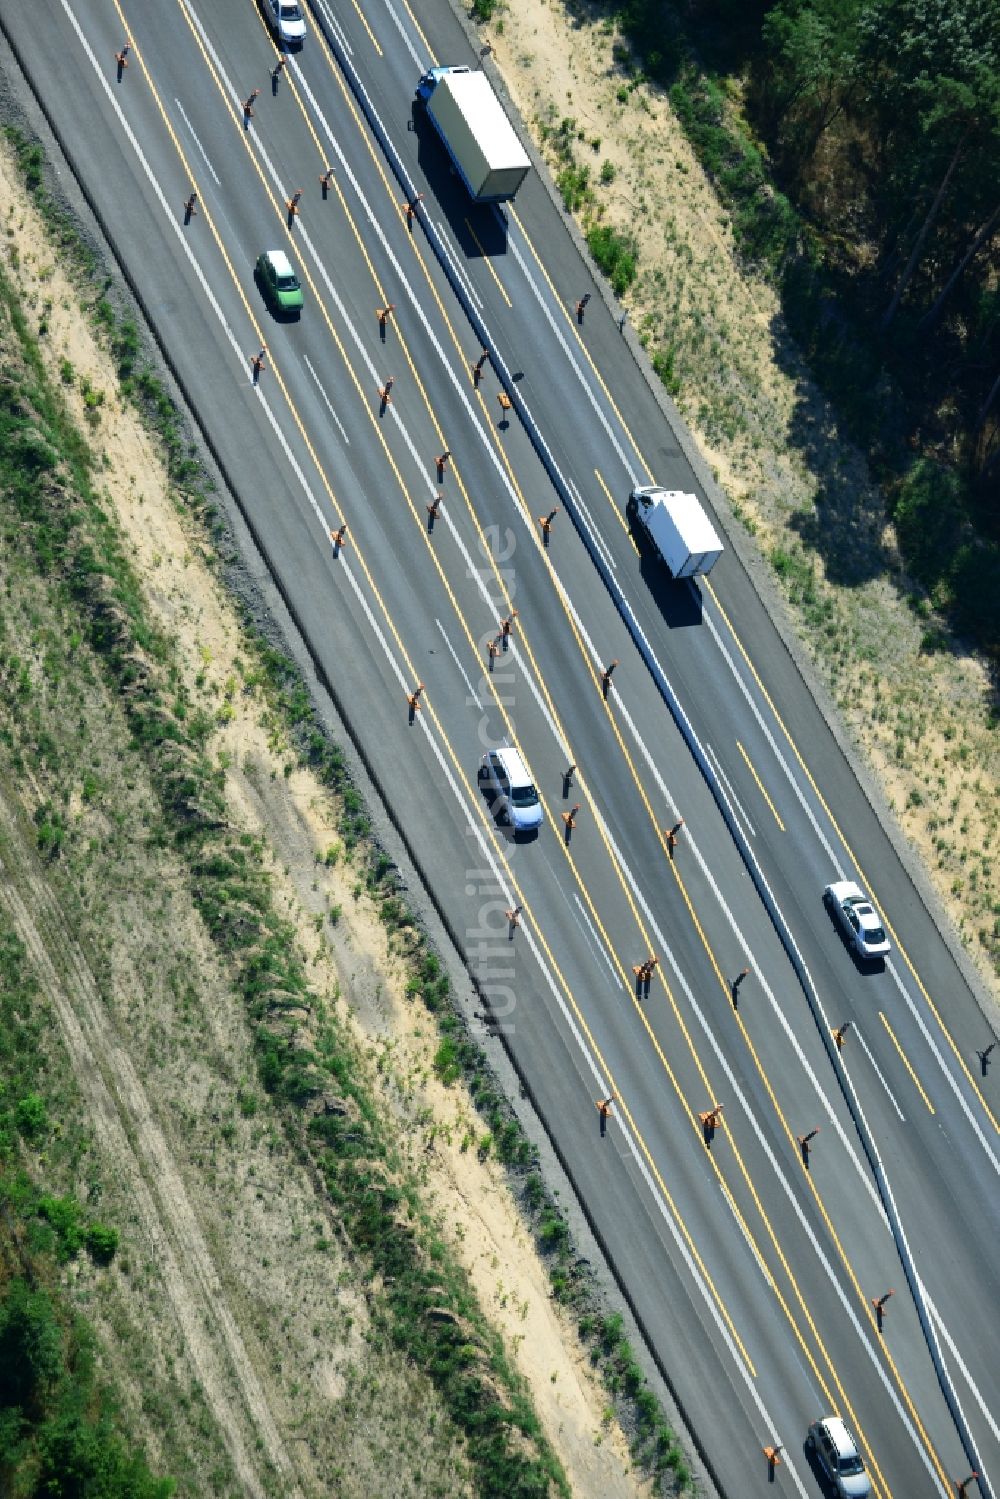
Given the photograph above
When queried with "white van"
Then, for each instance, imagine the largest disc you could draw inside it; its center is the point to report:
(506, 775)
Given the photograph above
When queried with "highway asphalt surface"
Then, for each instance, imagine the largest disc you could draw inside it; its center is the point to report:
(751, 1265)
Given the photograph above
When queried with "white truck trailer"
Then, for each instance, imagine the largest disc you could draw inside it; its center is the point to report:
(477, 134)
(678, 528)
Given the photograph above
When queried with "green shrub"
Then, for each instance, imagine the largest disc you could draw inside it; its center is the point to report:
(31, 1116)
(63, 1215)
(662, 361)
(573, 183)
(928, 517)
(446, 1062)
(616, 254)
(102, 1243)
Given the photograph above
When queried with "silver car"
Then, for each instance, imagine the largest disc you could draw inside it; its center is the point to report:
(859, 919)
(837, 1454)
(288, 21)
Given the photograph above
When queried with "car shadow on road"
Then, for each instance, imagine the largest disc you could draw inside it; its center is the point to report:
(863, 965)
(501, 821)
(274, 313)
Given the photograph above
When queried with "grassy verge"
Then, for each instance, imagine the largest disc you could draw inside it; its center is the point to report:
(59, 1421)
(428, 1311)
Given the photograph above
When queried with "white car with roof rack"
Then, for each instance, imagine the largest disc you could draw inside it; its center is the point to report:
(858, 919)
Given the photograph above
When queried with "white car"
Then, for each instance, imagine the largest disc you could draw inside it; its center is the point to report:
(509, 782)
(288, 21)
(861, 922)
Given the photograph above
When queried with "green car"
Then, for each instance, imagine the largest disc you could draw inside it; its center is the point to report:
(279, 282)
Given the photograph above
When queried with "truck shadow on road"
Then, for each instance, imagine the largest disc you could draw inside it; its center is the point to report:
(680, 603)
(479, 229)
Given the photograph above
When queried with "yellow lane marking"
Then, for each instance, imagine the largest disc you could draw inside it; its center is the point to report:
(712, 1095)
(417, 28)
(489, 264)
(793, 1143)
(970, 1079)
(862, 1298)
(477, 801)
(760, 785)
(559, 593)
(452, 755)
(618, 511)
(905, 1061)
(371, 34)
(709, 1091)
(570, 318)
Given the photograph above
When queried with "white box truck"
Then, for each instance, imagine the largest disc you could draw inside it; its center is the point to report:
(678, 528)
(477, 134)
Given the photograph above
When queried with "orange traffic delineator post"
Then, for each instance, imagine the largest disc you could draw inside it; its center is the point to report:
(338, 536)
(477, 368)
(671, 835)
(514, 917)
(440, 461)
(411, 207)
(414, 697)
(840, 1033)
(325, 178)
(293, 203)
(121, 58)
(249, 101)
(773, 1455)
(878, 1302)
